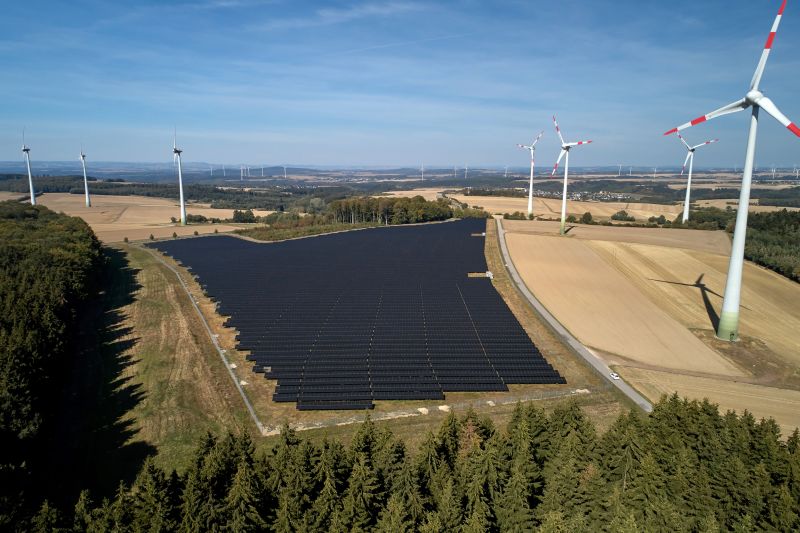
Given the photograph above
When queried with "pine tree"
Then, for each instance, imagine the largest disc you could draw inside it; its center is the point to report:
(119, 513)
(406, 485)
(82, 516)
(194, 503)
(241, 501)
(395, 518)
(46, 520)
(151, 500)
(448, 508)
(327, 502)
(514, 513)
(448, 439)
(360, 497)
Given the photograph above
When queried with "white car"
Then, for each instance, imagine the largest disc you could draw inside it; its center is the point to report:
(614, 375)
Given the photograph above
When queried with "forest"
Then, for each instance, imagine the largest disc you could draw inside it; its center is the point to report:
(352, 213)
(686, 467)
(48, 263)
(773, 238)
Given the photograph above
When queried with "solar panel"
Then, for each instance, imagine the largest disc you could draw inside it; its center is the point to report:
(382, 314)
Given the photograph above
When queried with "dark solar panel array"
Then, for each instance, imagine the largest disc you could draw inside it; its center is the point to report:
(379, 314)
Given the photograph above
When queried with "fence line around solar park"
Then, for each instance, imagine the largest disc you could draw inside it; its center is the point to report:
(423, 411)
(562, 332)
(214, 341)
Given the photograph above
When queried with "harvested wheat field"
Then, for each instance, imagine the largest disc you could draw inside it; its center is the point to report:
(689, 284)
(763, 402)
(429, 193)
(708, 241)
(604, 310)
(551, 207)
(734, 203)
(647, 301)
(136, 217)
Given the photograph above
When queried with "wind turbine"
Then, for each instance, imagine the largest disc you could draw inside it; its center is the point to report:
(619, 172)
(85, 180)
(565, 148)
(773, 171)
(284, 171)
(262, 172)
(176, 156)
(532, 149)
(465, 172)
(505, 176)
(630, 171)
(27, 151)
(729, 319)
(223, 171)
(690, 160)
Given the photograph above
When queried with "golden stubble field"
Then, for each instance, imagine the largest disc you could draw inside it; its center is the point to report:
(551, 207)
(646, 301)
(136, 217)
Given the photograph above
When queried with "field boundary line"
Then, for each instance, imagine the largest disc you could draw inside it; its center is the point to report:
(214, 341)
(568, 338)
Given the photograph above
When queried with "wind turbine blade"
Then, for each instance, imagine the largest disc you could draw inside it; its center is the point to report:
(700, 279)
(578, 143)
(686, 161)
(767, 105)
(684, 142)
(733, 107)
(560, 157)
(558, 130)
(767, 47)
(536, 140)
(712, 141)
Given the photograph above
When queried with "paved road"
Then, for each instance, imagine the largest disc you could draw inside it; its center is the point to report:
(596, 363)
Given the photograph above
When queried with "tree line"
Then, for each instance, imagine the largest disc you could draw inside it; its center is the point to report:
(684, 468)
(48, 263)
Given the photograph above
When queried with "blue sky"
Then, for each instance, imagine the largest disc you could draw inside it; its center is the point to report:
(391, 82)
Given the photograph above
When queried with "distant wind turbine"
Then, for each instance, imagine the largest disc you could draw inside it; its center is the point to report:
(619, 172)
(223, 171)
(176, 155)
(27, 151)
(85, 179)
(465, 172)
(532, 149)
(284, 171)
(565, 148)
(729, 319)
(690, 159)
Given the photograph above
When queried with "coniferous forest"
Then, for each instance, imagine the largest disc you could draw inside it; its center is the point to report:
(686, 467)
(48, 262)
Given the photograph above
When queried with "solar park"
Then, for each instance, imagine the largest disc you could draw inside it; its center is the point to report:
(345, 319)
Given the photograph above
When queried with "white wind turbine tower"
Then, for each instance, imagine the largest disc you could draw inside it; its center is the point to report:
(505, 176)
(532, 149)
(630, 171)
(176, 156)
(728, 328)
(565, 148)
(85, 180)
(773, 171)
(27, 151)
(619, 172)
(465, 172)
(223, 171)
(690, 159)
(284, 171)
